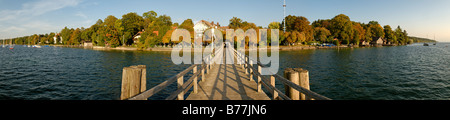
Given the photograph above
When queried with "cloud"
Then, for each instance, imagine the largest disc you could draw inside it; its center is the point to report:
(82, 15)
(25, 20)
(13, 29)
(37, 8)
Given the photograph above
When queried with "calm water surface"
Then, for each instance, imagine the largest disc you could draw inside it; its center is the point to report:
(403, 72)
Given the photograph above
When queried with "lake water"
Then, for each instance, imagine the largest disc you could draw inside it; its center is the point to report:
(386, 73)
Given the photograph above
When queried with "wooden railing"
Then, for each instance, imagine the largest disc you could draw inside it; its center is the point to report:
(135, 91)
(182, 87)
(269, 81)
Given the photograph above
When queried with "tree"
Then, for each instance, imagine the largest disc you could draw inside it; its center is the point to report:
(359, 33)
(368, 34)
(235, 23)
(160, 24)
(110, 21)
(132, 23)
(75, 38)
(322, 23)
(321, 34)
(65, 34)
(341, 27)
(188, 25)
(389, 34)
(99, 22)
(51, 39)
(150, 15)
(376, 29)
(399, 34)
(299, 24)
(402, 36)
(294, 37)
(274, 25)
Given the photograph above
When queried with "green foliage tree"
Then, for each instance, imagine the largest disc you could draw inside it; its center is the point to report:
(51, 38)
(341, 27)
(299, 24)
(321, 34)
(376, 29)
(188, 25)
(399, 34)
(235, 23)
(65, 34)
(159, 24)
(75, 38)
(132, 24)
(274, 25)
(389, 34)
(359, 33)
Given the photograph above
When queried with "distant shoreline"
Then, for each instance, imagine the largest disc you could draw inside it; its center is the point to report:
(166, 49)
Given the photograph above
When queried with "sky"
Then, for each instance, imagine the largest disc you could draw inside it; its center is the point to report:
(421, 18)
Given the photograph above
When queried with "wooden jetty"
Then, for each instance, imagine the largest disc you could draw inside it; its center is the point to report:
(213, 81)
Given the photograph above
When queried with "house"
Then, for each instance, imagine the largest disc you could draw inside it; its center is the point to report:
(87, 44)
(137, 36)
(55, 38)
(201, 26)
(364, 43)
(156, 32)
(377, 41)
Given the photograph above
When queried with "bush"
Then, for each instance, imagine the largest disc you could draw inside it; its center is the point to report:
(345, 42)
(336, 42)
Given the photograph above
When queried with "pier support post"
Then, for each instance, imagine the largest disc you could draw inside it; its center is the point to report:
(179, 85)
(134, 81)
(259, 79)
(272, 82)
(300, 77)
(250, 66)
(203, 72)
(292, 76)
(246, 65)
(303, 81)
(195, 82)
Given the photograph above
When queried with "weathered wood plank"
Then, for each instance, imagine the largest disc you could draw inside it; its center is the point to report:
(227, 82)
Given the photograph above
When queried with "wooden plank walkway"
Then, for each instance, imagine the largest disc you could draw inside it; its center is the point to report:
(227, 82)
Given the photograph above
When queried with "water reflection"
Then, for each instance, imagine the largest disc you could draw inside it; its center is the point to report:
(401, 72)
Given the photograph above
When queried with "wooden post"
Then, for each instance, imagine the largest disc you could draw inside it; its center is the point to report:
(180, 84)
(194, 71)
(133, 81)
(259, 79)
(303, 81)
(292, 76)
(272, 82)
(250, 70)
(143, 77)
(242, 61)
(203, 73)
(246, 66)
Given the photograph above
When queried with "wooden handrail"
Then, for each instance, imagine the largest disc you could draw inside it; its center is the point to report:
(185, 87)
(305, 91)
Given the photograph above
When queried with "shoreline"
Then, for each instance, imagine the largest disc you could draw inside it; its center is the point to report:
(280, 48)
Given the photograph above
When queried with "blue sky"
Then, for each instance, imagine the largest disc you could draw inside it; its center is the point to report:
(419, 17)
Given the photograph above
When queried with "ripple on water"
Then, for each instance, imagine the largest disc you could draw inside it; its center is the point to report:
(387, 73)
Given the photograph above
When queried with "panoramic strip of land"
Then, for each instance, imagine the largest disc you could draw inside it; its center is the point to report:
(151, 31)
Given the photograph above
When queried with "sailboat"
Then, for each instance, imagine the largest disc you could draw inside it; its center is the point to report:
(434, 40)
(11, 45)
(29, 41)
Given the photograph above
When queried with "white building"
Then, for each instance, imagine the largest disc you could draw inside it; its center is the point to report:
(200, 27)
